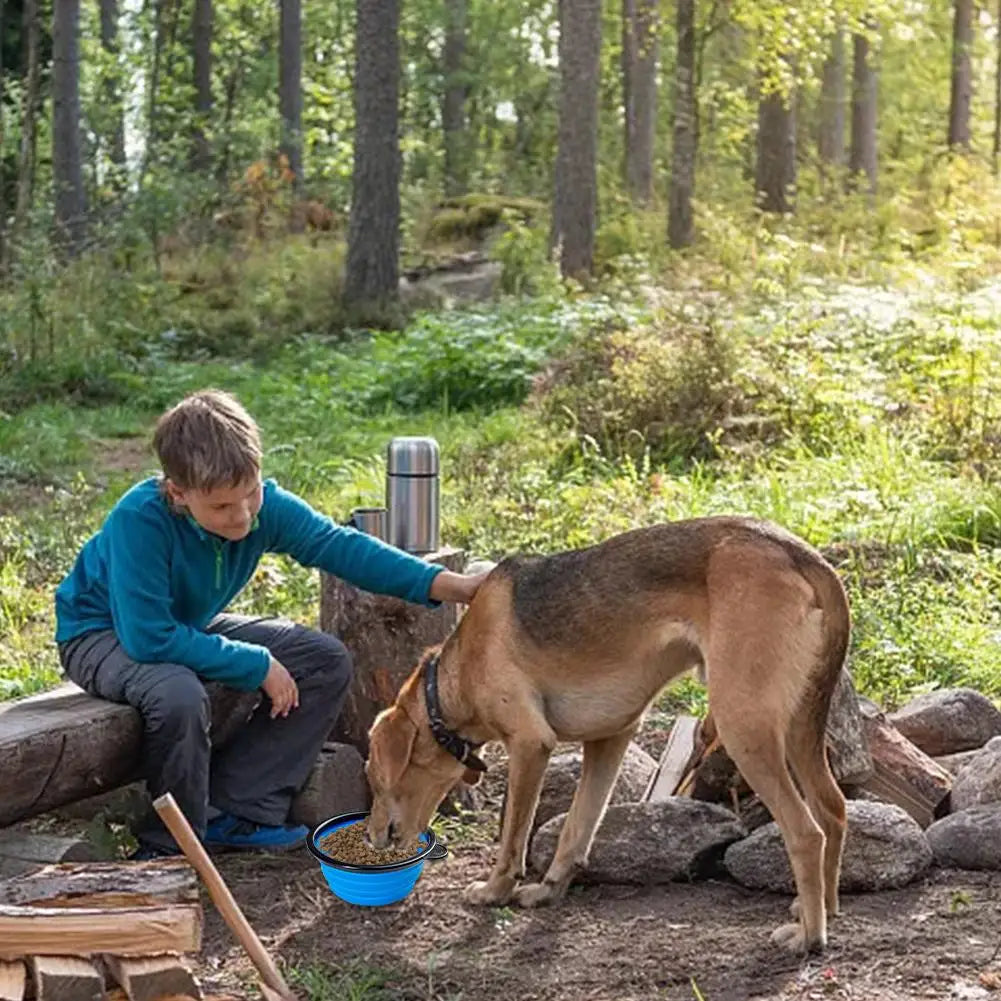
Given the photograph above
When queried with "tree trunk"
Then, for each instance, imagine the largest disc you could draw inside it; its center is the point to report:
(67, 167)
(775, 177)
(372, 276)
(962, 75)
(453, 108)
(3, 134)
(29, 127)
(201, 51)
(290, 88)
(111, 88)
(576, 187)
(831, 136)
(640, 47)
(997, 89)
(863, 155)
(680, 220)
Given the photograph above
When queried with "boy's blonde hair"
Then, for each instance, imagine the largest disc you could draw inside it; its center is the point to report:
(208, 441)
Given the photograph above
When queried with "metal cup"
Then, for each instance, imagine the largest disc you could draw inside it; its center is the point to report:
(370, 520)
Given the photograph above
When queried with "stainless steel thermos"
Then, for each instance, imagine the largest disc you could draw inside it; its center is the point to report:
(412, 494)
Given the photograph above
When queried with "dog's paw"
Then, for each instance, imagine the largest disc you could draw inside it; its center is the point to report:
(535, 894)
(483, 894)
(794, 909)
(791, 937)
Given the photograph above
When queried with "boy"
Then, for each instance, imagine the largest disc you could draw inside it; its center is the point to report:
(140, 620)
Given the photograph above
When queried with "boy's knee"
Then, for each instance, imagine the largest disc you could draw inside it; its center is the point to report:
(330, 658)
(178, 699)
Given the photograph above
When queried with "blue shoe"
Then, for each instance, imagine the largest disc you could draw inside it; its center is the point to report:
(236, 834)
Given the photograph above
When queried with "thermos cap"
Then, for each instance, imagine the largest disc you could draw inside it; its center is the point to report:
(412, 456)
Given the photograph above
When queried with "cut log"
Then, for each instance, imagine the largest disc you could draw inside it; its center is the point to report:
(149, 978)
(682, 745)
(13, 978)
(65, 745)
(66, 978)
(902, 772)
(386, 637)
(847, 750)
(136, 931)
(43, 848)
(162, 881)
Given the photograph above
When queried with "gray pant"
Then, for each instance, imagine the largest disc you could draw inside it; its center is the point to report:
(255, 775)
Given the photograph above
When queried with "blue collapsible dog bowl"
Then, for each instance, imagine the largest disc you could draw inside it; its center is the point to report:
(371, 885)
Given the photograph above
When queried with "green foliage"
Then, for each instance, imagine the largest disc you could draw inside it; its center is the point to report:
(663, 388)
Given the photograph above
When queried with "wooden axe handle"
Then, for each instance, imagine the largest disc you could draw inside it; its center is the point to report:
(179, 827)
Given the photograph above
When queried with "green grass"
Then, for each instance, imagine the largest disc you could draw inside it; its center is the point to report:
(863, 417)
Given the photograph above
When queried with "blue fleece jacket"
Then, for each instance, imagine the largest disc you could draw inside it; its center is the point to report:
(157, 578)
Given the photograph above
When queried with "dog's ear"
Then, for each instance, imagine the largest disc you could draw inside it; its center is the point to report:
(390, 743)
(471, 777)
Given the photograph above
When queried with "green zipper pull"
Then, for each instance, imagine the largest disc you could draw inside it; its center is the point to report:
(218, 564)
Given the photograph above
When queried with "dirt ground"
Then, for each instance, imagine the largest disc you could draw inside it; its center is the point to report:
(940, 938)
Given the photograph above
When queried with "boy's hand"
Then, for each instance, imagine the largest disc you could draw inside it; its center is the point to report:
(448, 586)
(280, 687)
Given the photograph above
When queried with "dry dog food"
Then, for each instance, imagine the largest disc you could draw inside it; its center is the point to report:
(348, 844)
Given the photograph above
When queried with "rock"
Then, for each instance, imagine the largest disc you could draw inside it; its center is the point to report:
(979, 780)
(563, 775)
(648, 843)
(969, 839)
(847, 749)
(949, 720)
(335, 785)
(953, 763)
(885, 848)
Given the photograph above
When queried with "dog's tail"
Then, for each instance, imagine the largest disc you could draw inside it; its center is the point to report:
(836, 629)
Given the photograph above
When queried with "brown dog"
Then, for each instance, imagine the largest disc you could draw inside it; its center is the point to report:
(575, 646)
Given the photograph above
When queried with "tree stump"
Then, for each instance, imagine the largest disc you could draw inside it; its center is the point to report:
(386, 637)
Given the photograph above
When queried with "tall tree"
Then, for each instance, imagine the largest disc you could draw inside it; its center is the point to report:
(67, 164)
(290, 88)
(114, 112)
(962, 75)
(862, 158)
(372, 274)
(680, 220)
(202, 18)
(640, 45)
(575, 201)
(775, 175)
(831, 132)
(997, 90)
(453, 105)
(31, 31)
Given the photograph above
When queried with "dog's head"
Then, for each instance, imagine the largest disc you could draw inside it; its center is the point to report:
(407, 770)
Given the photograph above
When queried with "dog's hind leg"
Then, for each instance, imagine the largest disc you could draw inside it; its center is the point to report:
(528, 756)
(757, 748)
(805, 747)
(600, 769)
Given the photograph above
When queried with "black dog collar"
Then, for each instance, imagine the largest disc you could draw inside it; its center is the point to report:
(461, 749)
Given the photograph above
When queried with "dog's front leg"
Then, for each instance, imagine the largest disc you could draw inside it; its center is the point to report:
(527, 761)
(602, 761)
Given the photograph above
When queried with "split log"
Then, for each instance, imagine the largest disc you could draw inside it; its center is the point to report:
(682, 745)
(161, 881)
(902, 772)
(66, 978)
(82, 931)
(149, 978)
(45, 848)
(386, 637)
(13, 977)
(65, 745)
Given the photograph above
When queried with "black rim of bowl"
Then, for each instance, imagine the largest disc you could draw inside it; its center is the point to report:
(342, 820)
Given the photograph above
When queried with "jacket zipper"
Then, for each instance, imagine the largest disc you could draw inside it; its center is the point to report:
(218, 564)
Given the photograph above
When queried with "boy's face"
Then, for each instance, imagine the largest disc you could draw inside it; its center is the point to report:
(225, 511)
